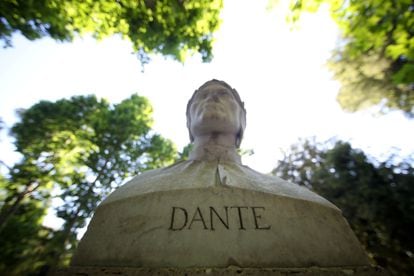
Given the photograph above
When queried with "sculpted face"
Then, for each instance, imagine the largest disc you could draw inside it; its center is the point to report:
(214, 109)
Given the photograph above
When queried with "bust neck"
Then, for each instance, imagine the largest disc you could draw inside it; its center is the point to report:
(219, 147)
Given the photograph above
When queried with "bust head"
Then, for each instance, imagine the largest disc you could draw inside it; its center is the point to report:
(216, 108)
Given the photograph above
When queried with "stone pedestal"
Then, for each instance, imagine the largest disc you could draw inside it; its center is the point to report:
(230, 271)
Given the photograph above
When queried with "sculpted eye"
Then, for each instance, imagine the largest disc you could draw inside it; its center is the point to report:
(225, 93)
(221, 93)
(202, 95)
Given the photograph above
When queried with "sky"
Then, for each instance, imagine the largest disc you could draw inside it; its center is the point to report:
(280, 74)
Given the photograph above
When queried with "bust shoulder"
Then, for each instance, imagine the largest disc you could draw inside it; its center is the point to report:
(181, 175)
(195, 174)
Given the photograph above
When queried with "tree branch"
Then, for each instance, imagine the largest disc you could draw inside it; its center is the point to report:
(4, 164)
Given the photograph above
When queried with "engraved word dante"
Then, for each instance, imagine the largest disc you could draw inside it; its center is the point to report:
(227, 217)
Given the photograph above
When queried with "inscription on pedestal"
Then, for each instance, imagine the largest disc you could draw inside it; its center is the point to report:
(212, 218)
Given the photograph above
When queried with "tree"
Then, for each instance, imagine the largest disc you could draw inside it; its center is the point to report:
(24, 240)
(375, 197)
(375, 60)
(84, 148)
(173, 28)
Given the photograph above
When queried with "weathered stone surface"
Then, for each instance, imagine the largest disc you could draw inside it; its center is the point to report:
(256, 223)
(312, 271)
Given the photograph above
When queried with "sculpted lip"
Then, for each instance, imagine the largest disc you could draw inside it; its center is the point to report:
(212, 100)
(212, 104)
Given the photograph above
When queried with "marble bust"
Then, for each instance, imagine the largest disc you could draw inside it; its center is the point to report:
(212, 211)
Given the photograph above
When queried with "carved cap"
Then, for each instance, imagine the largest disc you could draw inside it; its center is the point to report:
(236, 96)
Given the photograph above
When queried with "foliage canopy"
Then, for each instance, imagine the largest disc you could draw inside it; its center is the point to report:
(76, 150)
(377, 198)
(173, 28)
(375, 60)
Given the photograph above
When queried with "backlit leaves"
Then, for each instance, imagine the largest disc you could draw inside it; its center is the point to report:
(78, 150)
(375, 61)
(172, 28)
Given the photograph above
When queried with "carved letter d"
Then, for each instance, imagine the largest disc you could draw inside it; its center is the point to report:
(174, 227)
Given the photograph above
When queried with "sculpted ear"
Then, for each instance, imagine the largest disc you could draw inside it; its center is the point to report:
(189, 129)
(239, 136)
